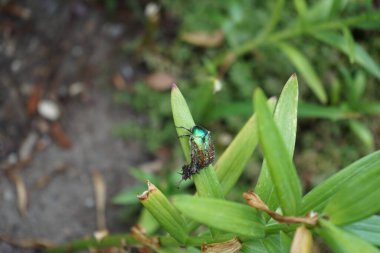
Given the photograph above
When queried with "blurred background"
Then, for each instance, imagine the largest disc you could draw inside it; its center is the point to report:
(85, 111)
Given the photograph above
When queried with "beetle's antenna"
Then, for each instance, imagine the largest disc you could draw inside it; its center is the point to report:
(187, 129)
(184, 135)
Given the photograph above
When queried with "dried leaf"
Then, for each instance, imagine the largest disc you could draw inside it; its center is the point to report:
(100, 197)
(204, 39)
(59, 135)
(100, 234)
(22, 197)
(34, 99)
(139, 234)
(26, 148)
(229, 246)
(254, 201)
(302, 241)
(160, 81)
(119, 82)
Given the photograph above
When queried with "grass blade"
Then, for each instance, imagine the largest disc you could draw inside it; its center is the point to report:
(358, 198)
(305, 68)
(361, 56)
(221, 214)
(281, 168)
(285, 116)
(317, 198)
(343, 242)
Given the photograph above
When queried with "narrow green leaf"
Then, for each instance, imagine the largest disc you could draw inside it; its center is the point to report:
(317, 198)
(306, 110)
(206, 181)
(128, 196)
(368, 229)
(281, 168)
(305, 68)
(254, 246)
(285, 242)
(148, 222)
(362, 57)
(341, 241)
(272, 243)
(363, 133)
(357, 199)
(301, 6)
(350, 44)
(232, 162)
(285, 116)
(221, 214)
(164, 212)
(182, 118)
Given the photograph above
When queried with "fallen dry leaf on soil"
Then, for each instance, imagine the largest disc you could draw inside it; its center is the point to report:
(22, 197)
(160, 81)
(59, 135)
(204, 39)
(100, 198)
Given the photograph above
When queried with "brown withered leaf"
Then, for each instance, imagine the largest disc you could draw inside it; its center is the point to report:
(59, 136)
(204, 39)
(139, 234)
(119, 82)
(230, 246)
(33, 99)
(100, 198)
(22, 196)
(254, 201)
(160, 81)
(302, 241)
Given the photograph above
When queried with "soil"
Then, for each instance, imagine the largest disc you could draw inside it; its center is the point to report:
(53, 47)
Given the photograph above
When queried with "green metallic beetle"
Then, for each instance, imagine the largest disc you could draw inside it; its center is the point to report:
(202, 150)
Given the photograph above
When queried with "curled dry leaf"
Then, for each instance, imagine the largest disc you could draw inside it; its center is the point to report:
(139, 234)
(160, 81)
(302, 241)
(59, 135)
(204, 39)
(229, 246)
(145, 195)
(22, 197)
(100, 197)
(254, 201)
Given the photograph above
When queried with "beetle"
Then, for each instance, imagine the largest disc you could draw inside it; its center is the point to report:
(202, 150)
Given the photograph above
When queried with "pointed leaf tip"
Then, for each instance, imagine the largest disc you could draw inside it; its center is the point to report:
(294, 76)
(174, 86)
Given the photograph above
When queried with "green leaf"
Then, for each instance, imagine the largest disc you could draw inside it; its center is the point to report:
(305, 68)
(182, 118)
(362, 57)
(341, 241)
(272, 243)
(307, 110)
(350, 44)
(285, 116)
(221, 214)
(206, 181)
(280, 165)
(363, 133)
(232, 162)
(318, 197)
(357, 199)
(254, 246)
(301, 6)
(148, 222)
(285, 242)
(368, 229)
(164, 212)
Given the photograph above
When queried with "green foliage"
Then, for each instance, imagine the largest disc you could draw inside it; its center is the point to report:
(345, 204)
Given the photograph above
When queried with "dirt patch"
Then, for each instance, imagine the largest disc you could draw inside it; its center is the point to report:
(62, 44)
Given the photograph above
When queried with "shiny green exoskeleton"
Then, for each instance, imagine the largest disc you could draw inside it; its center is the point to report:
(202, 150)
